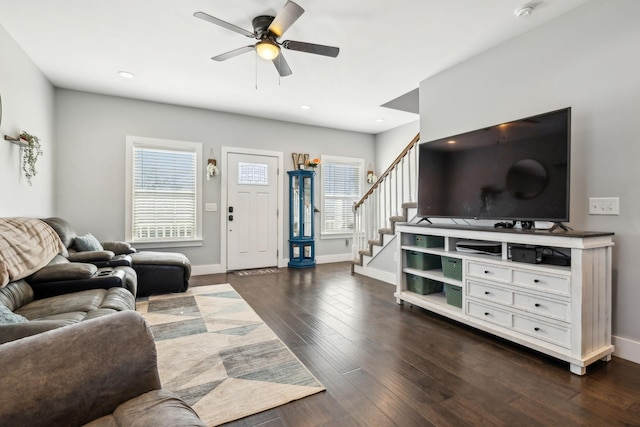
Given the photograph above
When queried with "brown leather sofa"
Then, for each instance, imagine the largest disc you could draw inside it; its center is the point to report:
(22, 316)
(41, 290)
(99, 373)
(156, 272)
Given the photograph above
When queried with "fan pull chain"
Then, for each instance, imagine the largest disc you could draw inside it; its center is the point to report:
(256, 56)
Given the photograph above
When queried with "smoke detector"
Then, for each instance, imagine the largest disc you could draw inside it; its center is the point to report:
(524, 11)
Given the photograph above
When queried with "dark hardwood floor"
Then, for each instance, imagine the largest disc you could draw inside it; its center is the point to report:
(385, 364)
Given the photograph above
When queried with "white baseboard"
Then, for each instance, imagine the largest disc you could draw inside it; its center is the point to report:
(200, 270)
(626, 349)
(328, 259)
(374, 273)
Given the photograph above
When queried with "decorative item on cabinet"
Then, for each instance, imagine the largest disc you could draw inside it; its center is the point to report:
(313, 163)
(212, 166)
(301, 160)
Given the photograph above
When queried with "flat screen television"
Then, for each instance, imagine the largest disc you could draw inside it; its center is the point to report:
(517, 171)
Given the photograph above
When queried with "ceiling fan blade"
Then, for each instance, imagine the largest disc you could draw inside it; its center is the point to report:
(318, 49)
(282, 66)
(223, 24)
(233, 53)
(285, 18)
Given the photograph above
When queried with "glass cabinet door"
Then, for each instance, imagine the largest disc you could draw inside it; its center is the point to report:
(308, 207)
(295, 211)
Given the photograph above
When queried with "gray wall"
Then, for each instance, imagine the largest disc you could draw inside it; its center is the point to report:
(27, 104)
(587, 59)
(90, 168)
(391, 143)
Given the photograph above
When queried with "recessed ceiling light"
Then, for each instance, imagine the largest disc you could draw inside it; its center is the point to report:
(524, 11)
(379, 120)
(306, 107)
(451, 141)
(125, 74)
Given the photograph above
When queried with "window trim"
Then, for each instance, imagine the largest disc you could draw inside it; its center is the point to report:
(145, 142)
(355, 161)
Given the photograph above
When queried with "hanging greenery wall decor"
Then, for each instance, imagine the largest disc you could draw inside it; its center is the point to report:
(31, 151)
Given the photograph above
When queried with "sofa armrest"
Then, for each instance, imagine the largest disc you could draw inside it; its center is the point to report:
(15, 331)
(79, 373)
(64, 271)
(91, 256)
(103, 278)
(119, 248)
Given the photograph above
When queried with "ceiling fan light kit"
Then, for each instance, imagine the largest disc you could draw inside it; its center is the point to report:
(267, 30)
(267, 49)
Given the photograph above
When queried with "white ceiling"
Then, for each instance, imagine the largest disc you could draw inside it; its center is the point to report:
(386, 49)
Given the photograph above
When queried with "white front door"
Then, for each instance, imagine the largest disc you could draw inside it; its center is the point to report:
(252, 211)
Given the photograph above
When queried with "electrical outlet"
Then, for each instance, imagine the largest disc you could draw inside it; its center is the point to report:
(604, 206)
(210, 207)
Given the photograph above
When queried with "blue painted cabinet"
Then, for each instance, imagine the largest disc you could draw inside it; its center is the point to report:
(302, 252)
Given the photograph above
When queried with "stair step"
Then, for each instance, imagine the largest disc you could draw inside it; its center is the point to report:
(375, 242)
(398, 218)
(409, 205)
(385, 231)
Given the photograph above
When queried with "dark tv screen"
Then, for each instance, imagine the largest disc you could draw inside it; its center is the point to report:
(517, 170)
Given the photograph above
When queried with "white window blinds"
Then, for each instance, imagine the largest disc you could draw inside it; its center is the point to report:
(341, 188)
(164, 192)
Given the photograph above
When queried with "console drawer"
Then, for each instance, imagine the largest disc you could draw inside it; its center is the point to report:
(488, 292)
(489, 271)
(556, 309)
(489, 314)
(543, 331)
(541, 281)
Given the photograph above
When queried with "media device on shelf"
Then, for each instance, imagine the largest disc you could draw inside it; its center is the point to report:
(516, 171)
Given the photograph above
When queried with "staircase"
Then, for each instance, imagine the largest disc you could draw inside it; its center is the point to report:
(392, 199)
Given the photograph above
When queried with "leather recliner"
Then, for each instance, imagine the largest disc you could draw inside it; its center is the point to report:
(156, 272)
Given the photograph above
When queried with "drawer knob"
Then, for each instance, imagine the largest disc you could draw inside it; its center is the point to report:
(537, 304)
(486, 313)
(536, 281)
(486, 272)
(536, 329)
(487, 293)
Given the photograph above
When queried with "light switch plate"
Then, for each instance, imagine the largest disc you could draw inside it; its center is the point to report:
(604, 206)
(211, 207)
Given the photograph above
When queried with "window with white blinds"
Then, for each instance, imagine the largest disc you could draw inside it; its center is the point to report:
(341, 188)
(164, 190)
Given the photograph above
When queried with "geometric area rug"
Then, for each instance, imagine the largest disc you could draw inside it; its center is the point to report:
(216, 353)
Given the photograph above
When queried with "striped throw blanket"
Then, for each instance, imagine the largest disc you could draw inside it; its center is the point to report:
(26, 245)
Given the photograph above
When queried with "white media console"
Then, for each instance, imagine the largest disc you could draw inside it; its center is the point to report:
(562, 311)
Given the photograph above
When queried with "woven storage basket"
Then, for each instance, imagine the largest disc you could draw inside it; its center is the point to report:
(429, 241)
(422, 285)
(454, 295)
(422, 261)
(452, 267)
